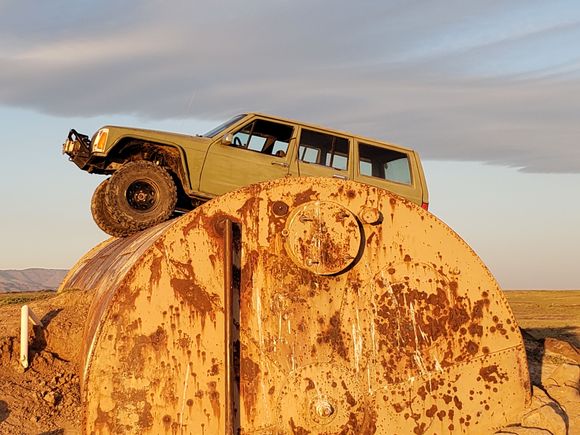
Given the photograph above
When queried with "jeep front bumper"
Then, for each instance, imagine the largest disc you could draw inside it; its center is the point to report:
(78, 147)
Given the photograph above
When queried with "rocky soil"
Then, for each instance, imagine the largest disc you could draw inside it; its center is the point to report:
(44, 399)
(555, 374)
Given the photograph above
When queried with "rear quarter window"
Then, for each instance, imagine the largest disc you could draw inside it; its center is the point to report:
(384, 163)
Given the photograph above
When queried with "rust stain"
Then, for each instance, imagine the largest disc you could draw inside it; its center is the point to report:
(215, 367)
(472, 347)
(135, 400)
(305, 196)
(200, 301)
(249, 380)
(103, 421)
(333, 335)
(297, 430)
(250, 206)
(166, 421)
(184, 342)
(189, 291)
(193, 224)
(156, 270)
(431, 411)
(214, 398)
(492, 374)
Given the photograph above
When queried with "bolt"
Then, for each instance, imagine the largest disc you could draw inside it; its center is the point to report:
(323, 408)
(370, 215)
(280, 208)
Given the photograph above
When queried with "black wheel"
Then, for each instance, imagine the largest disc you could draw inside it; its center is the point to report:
(102, 215)
(141, 194)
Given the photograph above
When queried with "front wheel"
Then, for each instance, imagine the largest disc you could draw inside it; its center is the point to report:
(141, 194)
(102, 214)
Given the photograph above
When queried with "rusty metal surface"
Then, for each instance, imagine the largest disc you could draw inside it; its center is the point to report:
(357, 313)
(102, 270)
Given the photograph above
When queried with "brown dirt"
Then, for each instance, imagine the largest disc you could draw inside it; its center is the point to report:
(45, 398)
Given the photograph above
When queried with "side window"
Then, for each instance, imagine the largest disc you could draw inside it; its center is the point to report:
(323, 149)
(264, 137)
(383, 163)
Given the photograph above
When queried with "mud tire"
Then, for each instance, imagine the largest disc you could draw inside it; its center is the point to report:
(141, 194)
(102, 215)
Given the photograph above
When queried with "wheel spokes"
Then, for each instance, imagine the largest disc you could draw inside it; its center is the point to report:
(141, 195)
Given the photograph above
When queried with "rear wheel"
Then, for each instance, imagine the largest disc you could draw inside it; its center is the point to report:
(102, 215)
(141, 194)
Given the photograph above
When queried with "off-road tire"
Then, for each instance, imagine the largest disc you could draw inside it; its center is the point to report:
(102, 215)
(141, 194)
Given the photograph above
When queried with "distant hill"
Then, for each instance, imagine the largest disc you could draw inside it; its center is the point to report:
(30, 279)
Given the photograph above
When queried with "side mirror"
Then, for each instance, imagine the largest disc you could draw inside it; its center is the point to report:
(228, 139)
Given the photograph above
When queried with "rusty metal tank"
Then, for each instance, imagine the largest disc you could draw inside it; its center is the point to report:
(298, 306)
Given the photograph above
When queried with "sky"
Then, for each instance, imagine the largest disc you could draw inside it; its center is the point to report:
(487, 91)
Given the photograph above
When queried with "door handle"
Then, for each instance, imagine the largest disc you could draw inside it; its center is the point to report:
(342, 177)
(283, 164)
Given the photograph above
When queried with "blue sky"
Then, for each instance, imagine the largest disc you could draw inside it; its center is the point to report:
(487, 91)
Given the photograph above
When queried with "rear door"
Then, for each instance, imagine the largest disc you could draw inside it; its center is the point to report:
(324, 154)
(261, 150)
(390, 168)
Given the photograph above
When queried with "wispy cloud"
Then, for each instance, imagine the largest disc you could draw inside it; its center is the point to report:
(482, 80)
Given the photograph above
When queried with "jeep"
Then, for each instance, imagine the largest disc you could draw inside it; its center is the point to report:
(156, 175)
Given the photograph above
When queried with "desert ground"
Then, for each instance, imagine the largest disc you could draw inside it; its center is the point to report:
(547, 313)
(45, 398)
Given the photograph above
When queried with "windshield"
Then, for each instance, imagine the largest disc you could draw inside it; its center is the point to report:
(224, 125)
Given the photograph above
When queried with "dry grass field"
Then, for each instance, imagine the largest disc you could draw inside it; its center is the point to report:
(548, 313)
(23, 297)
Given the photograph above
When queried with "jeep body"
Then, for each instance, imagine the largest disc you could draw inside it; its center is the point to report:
(251, 148)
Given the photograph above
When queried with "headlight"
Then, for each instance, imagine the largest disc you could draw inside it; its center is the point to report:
(100, 140)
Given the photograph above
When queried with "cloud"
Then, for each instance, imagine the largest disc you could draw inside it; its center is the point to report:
(480, 80)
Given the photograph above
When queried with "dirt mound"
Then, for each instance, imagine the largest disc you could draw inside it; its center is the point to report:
(46, 397)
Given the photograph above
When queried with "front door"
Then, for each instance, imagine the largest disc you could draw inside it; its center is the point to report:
(260, 150)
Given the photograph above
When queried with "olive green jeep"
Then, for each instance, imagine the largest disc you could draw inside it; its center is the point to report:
(156, 175)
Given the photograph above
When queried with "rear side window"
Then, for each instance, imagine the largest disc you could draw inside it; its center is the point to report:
(323, 149)
(383, 163)
(265, 137)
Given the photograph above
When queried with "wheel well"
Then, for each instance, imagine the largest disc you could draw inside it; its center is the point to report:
(168, 157)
